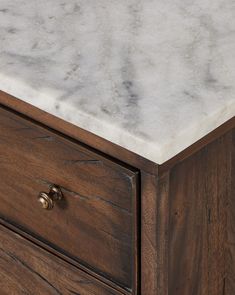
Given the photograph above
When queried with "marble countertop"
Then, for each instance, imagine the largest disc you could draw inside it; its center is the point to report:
(150, 76)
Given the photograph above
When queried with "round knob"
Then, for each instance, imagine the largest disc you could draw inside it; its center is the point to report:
(47, 200)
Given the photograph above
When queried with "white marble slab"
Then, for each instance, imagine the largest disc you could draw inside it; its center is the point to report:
(153, 76)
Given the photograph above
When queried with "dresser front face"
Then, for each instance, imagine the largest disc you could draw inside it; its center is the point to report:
(95, 222)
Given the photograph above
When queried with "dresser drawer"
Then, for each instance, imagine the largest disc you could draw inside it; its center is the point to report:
(27, 269)
(94, 223)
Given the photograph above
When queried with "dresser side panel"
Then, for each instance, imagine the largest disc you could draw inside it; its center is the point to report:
(200, 190)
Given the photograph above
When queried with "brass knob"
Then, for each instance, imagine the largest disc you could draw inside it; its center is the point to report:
(47, 200)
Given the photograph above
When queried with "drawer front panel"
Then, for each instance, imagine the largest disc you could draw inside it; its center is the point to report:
(27, 269)
(95, 221)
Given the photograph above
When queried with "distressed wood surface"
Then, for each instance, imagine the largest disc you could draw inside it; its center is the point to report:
(95, 223)
(201, 222)
(229, 281)
(148, 235)
(188, 236)
(27, 269)
(154, 238)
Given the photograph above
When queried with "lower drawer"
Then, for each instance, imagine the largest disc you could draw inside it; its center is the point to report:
(27, 269)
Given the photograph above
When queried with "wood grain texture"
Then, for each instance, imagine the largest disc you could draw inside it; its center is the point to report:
(27, 269)
(188, 221)
(95, 223)
(229, 281)
(148, 234)
(154, 236)
(200, 188)
(188, 249)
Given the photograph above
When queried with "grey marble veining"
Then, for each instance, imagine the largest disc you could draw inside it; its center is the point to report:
(153, 76)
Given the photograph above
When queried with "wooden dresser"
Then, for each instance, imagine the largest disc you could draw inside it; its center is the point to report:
(80, 215)
(117, 147)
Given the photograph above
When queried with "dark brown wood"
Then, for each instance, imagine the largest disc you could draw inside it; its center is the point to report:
(188, 236)
(199, 191)
(154, 238)
(148, 234)
(27, 269)
(229, 280)
(188, 218)
(61, 255)
(95, 223)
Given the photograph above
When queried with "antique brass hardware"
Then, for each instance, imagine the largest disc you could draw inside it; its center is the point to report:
(47, 200)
